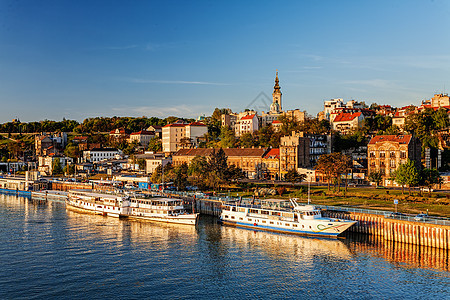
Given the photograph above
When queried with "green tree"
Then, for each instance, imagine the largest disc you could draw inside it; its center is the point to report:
(293, 176)
(407, 173)
(181, 176)
(217, 165)
(69, 169)
(339, 166)
(72, 151)
(234, 173)
(56, 166)
(400, 176)
(430, 177)
(227, 137)
(247, 140)
(323, 165)
(142, 163)
(198, 171)
(155, 144)
(376, 177)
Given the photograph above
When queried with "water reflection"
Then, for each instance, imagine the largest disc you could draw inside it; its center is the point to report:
(45, 216)
(290, 246)
(138, 233)
(401, 254)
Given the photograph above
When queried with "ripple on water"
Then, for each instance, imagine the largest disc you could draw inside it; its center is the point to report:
(48, 252)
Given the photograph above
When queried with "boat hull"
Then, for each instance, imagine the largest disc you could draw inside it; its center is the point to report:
(79, 209)
(256, 226)
(185, 220)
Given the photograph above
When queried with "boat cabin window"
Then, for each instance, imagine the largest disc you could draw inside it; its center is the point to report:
(241, 209)
(253, 211)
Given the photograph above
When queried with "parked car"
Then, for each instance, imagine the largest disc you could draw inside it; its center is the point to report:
(352, 184)
(421, 217)
(395, 215)
(425, 189)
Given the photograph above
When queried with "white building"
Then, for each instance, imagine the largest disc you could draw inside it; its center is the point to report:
(99, 154)
(248, 123)
(180, 135)
(143, 137)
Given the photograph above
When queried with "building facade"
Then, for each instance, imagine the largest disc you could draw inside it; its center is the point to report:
(294, 152)
(143, 137)
(386, 152)
(271, 165)
(181, 135)
(99, 154)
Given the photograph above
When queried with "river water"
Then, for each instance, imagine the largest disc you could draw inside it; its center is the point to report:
(47, 251)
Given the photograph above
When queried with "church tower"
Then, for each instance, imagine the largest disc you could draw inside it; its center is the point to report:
(275, 107)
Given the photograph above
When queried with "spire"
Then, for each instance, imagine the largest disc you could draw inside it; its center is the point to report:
(276, 88)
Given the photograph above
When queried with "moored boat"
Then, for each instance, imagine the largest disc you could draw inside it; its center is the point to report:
(283, 216)
(145, 207)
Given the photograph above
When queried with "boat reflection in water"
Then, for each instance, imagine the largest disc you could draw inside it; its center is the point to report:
(402, 254)
(136, 232)
(289, 246)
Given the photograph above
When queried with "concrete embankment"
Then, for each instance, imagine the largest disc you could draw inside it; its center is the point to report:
(416, 233)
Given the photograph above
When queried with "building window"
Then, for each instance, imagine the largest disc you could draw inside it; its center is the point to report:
(392, 154)
(382, 154)
(392, 163)
(403, 154)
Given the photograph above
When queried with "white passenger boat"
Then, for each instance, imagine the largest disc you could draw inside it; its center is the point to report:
(168, 210)
(283, 216)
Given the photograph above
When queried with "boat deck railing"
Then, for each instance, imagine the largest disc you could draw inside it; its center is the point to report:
(387, 214)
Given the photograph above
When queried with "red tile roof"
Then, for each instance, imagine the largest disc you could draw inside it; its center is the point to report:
(344, 117)
(273, 153)
(248, 117)
(196, 124)
(401, 139)
(143, 132)
(259, 152)
(175, 125)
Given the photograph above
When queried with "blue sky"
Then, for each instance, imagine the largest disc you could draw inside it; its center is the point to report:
(78, 59)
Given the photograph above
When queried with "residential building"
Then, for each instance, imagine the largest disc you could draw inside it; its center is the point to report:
(248, 124)
(270, 166)
(119, 133)
(438, 100)
(50, 143)
(277, 125)
(387, 152)
(319, 144)
(156, 129)
(347, 122)
(230, 120)
(143, 137)
(156, 160)
(294, 152)
(181, 135)
(99, 154)
(401, 114)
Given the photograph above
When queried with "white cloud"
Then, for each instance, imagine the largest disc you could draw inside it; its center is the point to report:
(138, 80)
